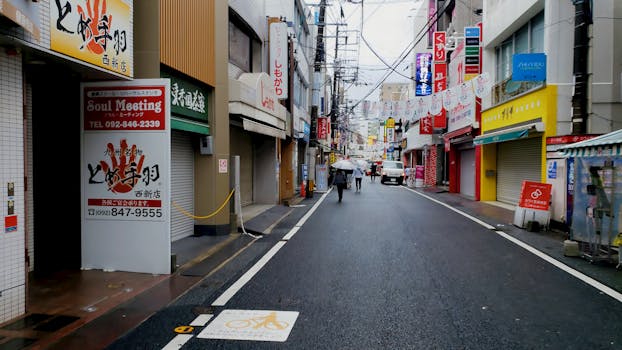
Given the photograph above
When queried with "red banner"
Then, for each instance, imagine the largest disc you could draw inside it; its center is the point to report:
(425, 125)
(323, 125)
(440, 84)
(535, 195)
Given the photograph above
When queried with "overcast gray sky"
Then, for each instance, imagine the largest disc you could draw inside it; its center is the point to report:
(388, 29)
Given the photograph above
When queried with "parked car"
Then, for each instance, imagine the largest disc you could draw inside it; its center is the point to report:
(392, 170)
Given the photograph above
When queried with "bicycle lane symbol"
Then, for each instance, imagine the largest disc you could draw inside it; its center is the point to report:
(259, 325)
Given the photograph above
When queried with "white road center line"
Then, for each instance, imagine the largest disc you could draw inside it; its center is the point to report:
(177, 342)
(291, 233)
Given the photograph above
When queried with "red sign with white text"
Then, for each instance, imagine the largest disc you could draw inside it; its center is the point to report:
(440, 84)
(535, 195)
(439, 46)
(124, 108)
(323, 125)
(425, 125)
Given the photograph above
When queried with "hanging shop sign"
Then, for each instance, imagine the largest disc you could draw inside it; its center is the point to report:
(439, 46)
(529, 67)
(423, 75)
(85, 30)
(472, 52)
(278, 58)
(23, 13)
(125, 175)
(323, 128)
(440, 84)
(188, 105)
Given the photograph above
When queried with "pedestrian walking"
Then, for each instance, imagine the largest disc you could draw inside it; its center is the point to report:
(358, 178)
(372, 171)
(340, 181)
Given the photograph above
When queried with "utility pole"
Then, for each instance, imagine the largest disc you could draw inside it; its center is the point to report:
(334, 113)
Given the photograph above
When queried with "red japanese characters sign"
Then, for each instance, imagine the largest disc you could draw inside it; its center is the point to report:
(439, 46)
(124, 108)
(278, 58)
(535, 195)
(323, 128)
(440, 84)
(425, 125)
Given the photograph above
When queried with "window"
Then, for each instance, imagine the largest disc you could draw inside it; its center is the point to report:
(300, 91)
(527, 39)
(239, 48)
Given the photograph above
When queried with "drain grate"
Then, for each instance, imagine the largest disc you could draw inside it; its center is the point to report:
(56, 323)
(26, 322)
(17, 344)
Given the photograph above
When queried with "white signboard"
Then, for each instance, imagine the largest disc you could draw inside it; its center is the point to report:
(278, 58)
(126, 175)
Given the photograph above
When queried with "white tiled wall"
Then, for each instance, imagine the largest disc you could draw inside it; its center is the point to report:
(12, 244)
(30, 216)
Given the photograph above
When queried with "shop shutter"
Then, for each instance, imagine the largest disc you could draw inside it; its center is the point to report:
(182, 184)
(517, 161)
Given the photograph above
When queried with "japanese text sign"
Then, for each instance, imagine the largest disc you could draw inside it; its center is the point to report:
(529, 67)
(323, 125)
(278, 58)
(85, 30)
(423, 76)
(425, 125)
(535, 195)
(439, 46)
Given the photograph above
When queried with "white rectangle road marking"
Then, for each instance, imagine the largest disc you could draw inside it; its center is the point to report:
(178, 342)
(235, 287)
(255, 325)
(201, 320)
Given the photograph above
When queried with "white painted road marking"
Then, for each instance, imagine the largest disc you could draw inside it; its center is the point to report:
(291, 233)
(257, 325)
(177, 342)
(235, 287)
(201, 320)
(560, 265)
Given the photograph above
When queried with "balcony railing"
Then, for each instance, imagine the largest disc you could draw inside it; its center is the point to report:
(509, 89)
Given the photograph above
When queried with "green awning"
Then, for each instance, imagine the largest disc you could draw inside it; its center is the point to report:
(508, 134)
(191, 126)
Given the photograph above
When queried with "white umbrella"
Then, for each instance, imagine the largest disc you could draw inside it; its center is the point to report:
(344, 164)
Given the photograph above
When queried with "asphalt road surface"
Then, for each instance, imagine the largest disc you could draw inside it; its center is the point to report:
(386, 269)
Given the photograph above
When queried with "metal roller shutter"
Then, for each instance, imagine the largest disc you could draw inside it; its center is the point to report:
(467, 172)
(517, 161)
(182, 184)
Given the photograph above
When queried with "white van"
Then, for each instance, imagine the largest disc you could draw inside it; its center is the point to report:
(392, 170)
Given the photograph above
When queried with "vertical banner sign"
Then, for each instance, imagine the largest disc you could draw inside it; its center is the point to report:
(125, 175)
(425, 125)
(471, 52)
(97, 32)
(322, 128)
(431, 15)
(439, 46)
(278, 58)
(423, 75)
(440, 84)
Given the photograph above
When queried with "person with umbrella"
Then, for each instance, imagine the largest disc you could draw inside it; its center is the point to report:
(340, 181)
(358, 177)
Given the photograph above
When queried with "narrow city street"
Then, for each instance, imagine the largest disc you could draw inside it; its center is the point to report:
(387, 268)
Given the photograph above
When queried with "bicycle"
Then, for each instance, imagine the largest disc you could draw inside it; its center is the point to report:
(267, 322)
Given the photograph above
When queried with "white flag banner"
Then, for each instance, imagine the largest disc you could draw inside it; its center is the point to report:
(482, 85)
(436, 103)
(410, 109)
(465, 94)
(399, 109)
(387, 108)
(450, 100)
(422, 106)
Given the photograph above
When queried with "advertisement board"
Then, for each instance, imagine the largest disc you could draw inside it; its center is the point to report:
(535, 195)
(423, 75)
(85, 30)
(278, 58)
(126, 175)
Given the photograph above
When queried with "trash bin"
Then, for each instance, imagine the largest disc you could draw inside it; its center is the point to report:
(310, 188)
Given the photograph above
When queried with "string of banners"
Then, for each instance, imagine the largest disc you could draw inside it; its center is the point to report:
(414, 109)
